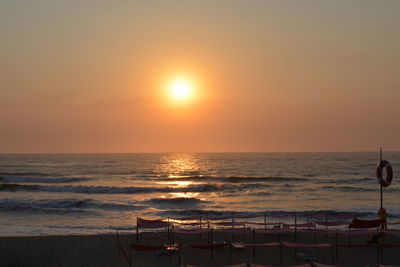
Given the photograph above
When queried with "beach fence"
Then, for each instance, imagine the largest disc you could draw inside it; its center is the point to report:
(240, 225)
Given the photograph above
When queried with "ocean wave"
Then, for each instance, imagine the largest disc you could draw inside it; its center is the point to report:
(232, 179)
(345, 188)
(176, 201)
(25, 174)
(53, 180)
(17, 187)
(94, 227)
(274, 214)
(44, 210)
(83, 189)
(64, 205)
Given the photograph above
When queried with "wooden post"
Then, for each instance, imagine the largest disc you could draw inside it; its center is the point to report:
(119, 245)
(281, 253)
(295, 233)
(230, 253)
(336, 244)
(244, 235)
(254, 242)
(265, 221)
(168, 232)
(208, 233)
(173, 235)
(200, 227)
(137, 230)
(326, 220)
(295, 227)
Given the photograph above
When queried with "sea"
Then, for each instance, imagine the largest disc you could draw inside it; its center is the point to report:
(64, 194)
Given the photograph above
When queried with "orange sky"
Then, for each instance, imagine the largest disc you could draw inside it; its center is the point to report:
(269, 76)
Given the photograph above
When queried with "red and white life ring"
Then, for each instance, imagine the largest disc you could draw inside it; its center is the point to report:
(389, 173)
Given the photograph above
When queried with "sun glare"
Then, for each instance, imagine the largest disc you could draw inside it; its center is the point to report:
(181, 90)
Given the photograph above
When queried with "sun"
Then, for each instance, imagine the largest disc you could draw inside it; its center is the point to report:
(181, 90)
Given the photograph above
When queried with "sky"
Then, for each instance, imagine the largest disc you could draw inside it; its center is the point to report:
(267, 76)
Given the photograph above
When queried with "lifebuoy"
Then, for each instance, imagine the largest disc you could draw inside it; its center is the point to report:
(389, 173)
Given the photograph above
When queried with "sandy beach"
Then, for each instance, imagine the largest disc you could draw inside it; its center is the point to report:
(102, 250)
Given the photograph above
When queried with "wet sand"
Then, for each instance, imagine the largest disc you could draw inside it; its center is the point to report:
(103, 250)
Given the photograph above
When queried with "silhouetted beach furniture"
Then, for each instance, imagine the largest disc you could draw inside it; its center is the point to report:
(365, 224)
(309, 252)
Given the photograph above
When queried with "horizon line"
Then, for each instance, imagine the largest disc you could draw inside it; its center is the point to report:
(188, 152)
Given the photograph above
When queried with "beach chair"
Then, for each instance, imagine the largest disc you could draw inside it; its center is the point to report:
(366, 224)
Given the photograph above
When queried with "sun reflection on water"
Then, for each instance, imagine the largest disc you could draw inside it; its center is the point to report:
(181, 170)
(180, 165)
(177, 184)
